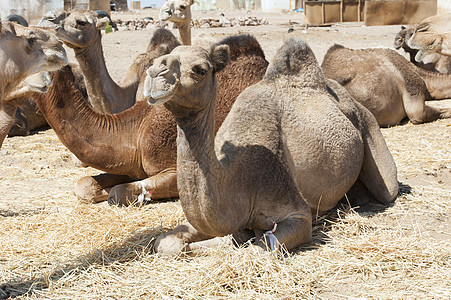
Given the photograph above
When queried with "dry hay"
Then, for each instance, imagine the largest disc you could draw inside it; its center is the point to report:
(54, 247)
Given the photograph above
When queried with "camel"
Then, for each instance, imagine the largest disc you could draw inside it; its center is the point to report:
(291, 147)
(433, 62)
(81, 31)
(26, 51)
(387, 84)
(136, 147)
(178, 12)
(432, 35)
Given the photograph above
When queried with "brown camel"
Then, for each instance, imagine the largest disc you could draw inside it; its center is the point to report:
(432, 35)
(291, 147)
(387, 84)
(81, 31)
(433, 62)
(178, 12)
(26, 51)
(138, 146)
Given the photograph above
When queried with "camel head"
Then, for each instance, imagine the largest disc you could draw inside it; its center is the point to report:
(177, 11)
(80, 28)
(433, 34)
(53, 18)
(403, 36)
(185, 79)
(28, 51)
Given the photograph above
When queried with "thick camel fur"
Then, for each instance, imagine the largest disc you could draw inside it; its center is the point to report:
(433, 62)
(81, 31)
(432, 35)
(179, 12)
(137, 147)
(387, 84)
(26, 51)
(291, 147)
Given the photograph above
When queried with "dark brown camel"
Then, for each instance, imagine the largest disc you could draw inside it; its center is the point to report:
(136, 147)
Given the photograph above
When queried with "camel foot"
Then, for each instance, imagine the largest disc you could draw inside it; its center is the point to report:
(88, 190)
(169, 245)
(125, 194)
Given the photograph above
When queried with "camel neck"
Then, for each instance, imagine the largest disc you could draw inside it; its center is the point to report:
(185, 33)
(99, 85)
(90, 135)
(438, 84)
(199, 170)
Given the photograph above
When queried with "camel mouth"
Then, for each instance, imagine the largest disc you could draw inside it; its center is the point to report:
(158, 89)
(56, 59)
(39, 82)
(164, 16)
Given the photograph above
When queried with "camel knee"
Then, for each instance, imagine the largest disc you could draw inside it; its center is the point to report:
(87, 189)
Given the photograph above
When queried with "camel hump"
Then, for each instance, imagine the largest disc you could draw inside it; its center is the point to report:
(293, 58)
(243, 45)
(335, 47)
(163, 36)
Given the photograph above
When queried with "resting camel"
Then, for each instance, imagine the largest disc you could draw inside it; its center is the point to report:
(26, 51)
(387, 84)
(432, 35)
(136, 147)
(433, 62)
(81, 31)
(178, 12)
(291, 147)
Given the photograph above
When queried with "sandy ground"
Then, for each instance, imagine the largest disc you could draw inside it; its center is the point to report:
(37, 177)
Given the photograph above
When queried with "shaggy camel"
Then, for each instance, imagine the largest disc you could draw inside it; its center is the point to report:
(81, 31)
(179, 12)
(387, 84)
(432, 35)
(433, 62)
(26, 51)
(138, 144)
(291, 147)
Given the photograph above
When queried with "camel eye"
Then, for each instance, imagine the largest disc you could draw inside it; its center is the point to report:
(81, 23)
(182, 7)
(199, 71)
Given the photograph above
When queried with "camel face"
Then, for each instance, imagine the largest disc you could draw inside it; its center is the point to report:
(179, 76)
(78, 30)
(53, 18)
(433, 34)
(28, 51)
(403, 36)
(176, 11)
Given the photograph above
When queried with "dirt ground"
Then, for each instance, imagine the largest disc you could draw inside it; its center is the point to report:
(52, 246)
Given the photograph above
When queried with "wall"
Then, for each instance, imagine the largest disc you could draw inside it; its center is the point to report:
(443, 6)
(391, 12)
(31, 10)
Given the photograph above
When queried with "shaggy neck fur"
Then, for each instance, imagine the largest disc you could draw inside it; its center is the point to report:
(200, 194)
(438, 84)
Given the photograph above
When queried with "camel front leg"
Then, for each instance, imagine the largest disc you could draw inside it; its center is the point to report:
(181, 239)
(7, 114)
(160, 186)
(289, 233)
(418, 112)
(94, 189)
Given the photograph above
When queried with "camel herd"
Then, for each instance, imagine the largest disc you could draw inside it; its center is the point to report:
(252, 149)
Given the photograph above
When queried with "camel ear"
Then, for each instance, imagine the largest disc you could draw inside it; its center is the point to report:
(191, 2)
(403, 27)
(102, 23)
(220, 57)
